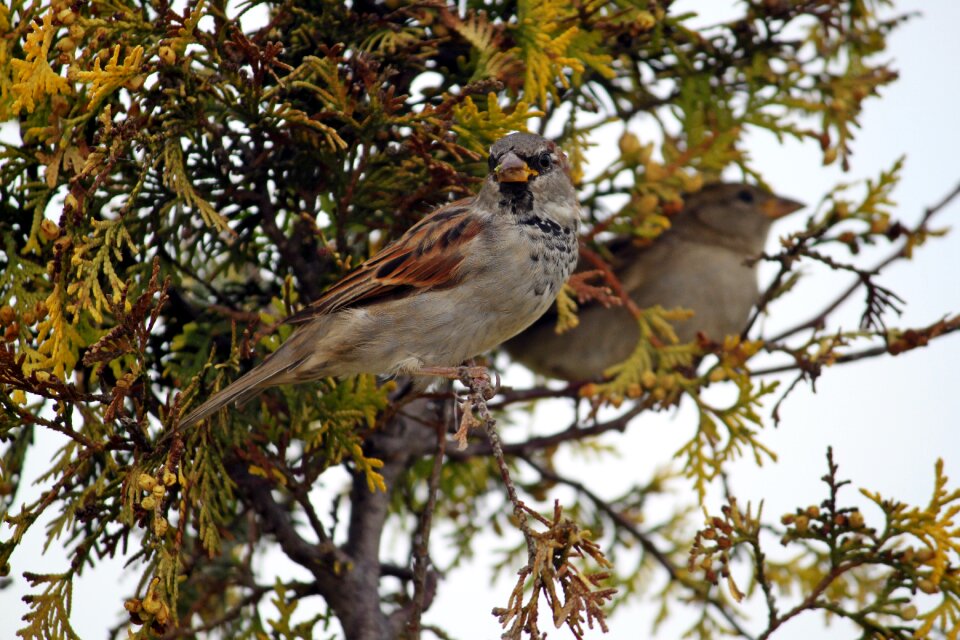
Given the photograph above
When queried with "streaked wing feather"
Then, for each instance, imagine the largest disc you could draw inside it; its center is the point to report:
(428, 255)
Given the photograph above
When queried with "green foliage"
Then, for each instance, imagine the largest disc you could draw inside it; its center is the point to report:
(345, 408)
(845, 567)
(284, 626)
(49, 616)
(181, 172)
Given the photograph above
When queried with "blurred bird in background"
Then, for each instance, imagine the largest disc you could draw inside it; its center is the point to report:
(698, 264)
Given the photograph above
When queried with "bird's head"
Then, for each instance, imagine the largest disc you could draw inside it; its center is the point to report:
(526, 168)
(740, 214)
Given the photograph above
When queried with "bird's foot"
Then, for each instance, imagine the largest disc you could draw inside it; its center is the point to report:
(475, 377)
(482, 388)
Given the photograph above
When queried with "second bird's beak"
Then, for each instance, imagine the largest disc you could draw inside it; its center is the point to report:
(777, 207)
(513, 169)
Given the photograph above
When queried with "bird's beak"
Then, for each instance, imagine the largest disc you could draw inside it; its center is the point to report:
(777, 207)
(513, 169)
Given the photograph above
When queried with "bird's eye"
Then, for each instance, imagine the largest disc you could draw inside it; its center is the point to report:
(745, 196)
(545, 160)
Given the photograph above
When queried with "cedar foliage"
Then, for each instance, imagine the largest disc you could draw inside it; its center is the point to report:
(183, 183)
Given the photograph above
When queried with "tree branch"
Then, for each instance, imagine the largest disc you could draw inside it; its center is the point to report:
(648, 545)
(421, 550)
(818, 319)
(539, 443)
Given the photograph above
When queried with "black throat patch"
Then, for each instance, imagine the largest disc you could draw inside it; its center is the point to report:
(517, 197)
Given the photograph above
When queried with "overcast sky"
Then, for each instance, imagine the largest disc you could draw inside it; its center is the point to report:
(888, 419)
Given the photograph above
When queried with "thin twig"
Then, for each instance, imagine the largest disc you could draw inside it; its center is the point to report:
(610, 277)
(950, 326)
(480, 392)
(421, 547)
(818, 319)
(538, 443)
(872, 352)
(508, 395)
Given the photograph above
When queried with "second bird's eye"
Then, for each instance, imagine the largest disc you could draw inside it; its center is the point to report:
(744, 196)
(545, 161)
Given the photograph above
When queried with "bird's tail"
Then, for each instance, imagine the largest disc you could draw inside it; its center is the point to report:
(268, 373)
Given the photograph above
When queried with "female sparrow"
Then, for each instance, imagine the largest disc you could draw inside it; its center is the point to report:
(699, 264)
(461, 281)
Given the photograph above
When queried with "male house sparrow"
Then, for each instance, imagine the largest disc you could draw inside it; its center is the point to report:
(698, 264)
(458, 283)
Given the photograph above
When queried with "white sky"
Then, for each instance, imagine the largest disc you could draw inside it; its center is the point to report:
(888, 419)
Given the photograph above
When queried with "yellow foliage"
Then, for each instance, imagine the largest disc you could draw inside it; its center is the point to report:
(477, 130)
(34, 79)
(549, 51)
(655, 327)
(106, 80)
(369, 466)
(93, 258)
(934, 526)
(5, 70)
(566, 310)
(296, 116)
(58, 341)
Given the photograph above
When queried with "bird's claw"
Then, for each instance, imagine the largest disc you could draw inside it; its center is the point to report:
(478, 379)
(474, 377)
(482, 388)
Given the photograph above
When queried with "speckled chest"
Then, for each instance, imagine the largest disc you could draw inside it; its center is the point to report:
(546, 236)
(552, 252)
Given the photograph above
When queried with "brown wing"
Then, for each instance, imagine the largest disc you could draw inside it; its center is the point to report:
(428, 255)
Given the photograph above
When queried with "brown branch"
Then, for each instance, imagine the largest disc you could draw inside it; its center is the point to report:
(819, 319)
(932, 332)
(256, 593)
(301, 494)
(810, 602)
(611, 278)
(257, 492)
(480, 392)
(510, 396)
(764, 581)
(853, 356)
(94, 447)
(421, 548)
(342, 576)
(368, 513)
(538, 443)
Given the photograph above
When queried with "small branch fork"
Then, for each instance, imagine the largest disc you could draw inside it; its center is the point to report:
(878, 299)
(818, 319)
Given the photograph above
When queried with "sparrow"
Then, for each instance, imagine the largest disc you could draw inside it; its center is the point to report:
(466, 277)
(699, 264)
